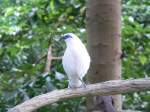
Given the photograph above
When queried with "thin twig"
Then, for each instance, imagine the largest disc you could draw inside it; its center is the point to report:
(45, 55)
(48, 60)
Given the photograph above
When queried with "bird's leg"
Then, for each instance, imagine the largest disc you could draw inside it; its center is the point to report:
(69, 86)
(83, 83)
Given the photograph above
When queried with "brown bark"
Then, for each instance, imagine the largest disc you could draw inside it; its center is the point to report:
(48, 60)
(105, 88)
(103, 28)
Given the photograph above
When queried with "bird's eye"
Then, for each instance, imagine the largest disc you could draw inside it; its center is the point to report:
(67, 36)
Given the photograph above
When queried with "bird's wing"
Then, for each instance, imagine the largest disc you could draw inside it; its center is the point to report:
(76, 61)
(69, 63)
(82, 60)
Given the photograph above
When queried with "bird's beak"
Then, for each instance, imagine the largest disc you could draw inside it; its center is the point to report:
(61, 38)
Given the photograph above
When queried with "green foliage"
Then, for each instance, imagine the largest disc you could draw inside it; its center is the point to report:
(28, 27)
(136, 47)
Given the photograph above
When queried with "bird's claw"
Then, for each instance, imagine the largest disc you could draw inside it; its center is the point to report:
(83, 83)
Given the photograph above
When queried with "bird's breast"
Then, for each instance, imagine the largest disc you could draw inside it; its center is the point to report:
(76, 62)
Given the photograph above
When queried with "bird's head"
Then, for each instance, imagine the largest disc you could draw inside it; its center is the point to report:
(71, 39)
(69, 36)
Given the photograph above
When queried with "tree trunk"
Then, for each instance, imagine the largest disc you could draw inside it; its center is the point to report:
(104, 44)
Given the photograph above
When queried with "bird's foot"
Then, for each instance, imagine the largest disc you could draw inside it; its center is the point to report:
(69, 86)
(83, 83)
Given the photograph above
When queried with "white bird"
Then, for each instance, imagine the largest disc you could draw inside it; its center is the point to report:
(76, 60)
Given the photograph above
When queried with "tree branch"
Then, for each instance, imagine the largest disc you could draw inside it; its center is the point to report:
(46, 55)
(48, 60)
(105, 88)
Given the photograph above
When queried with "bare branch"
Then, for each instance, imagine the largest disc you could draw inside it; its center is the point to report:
(48, 60)
(105, 88)
(46, 55)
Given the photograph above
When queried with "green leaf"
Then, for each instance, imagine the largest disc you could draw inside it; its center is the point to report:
(1, 51)
(143, 59)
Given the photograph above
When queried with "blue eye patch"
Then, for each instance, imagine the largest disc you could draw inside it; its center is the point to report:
(67, 36)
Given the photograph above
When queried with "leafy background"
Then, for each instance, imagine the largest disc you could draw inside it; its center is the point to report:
(28, 27)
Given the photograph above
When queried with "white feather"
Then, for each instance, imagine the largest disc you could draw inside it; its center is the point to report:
(76, 60)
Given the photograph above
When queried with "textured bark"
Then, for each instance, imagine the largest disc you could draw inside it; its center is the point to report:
(105, 88)
(103, 28)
